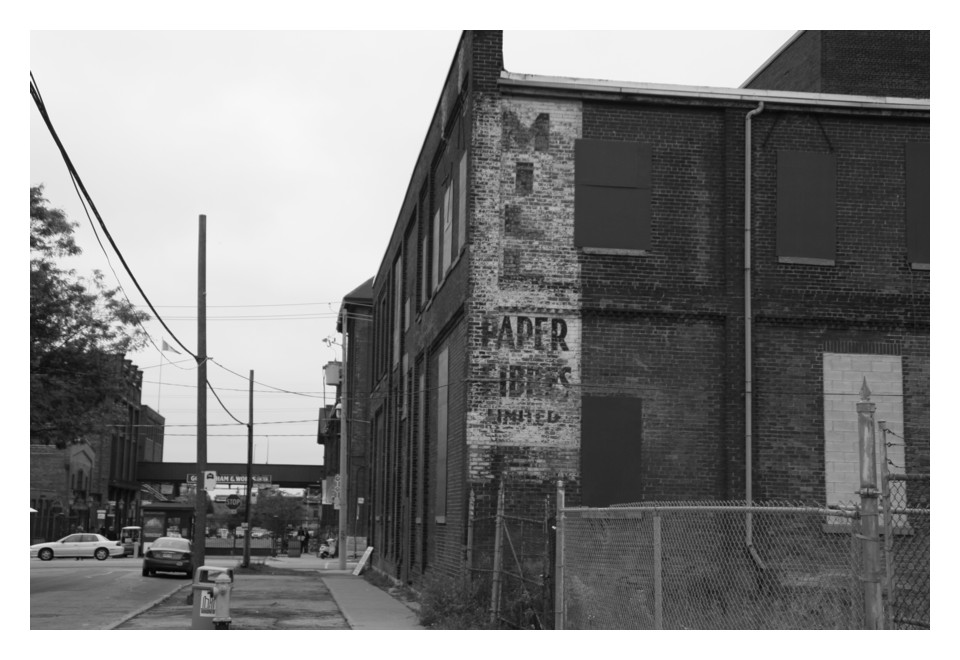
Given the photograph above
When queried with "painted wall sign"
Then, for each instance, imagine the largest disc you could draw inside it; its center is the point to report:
(519, 332)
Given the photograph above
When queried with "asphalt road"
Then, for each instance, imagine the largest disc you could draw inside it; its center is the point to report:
(66, 594)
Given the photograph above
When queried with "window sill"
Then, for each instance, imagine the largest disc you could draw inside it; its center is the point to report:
(441, 520)
(615, 251)
(807, 261)
(920, 266)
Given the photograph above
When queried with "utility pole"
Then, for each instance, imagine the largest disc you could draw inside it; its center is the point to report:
(342, 541)
(200, 518)
(246, 536)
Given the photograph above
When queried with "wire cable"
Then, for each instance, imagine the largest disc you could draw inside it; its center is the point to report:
(38, 101)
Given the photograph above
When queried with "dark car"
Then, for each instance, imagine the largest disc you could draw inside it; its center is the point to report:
(169, 554)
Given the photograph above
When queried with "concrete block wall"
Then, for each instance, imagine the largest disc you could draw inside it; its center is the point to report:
(843, 377)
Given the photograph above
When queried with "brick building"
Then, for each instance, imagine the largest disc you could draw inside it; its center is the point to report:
(69, 485)
(636, 287)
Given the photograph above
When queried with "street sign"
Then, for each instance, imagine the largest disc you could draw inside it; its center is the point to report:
(209, 480)
(233, 501)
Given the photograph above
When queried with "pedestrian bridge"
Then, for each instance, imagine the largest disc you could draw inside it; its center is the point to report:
(232, 474)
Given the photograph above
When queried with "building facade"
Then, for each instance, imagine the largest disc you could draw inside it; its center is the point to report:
(650, 292)
(92, 483)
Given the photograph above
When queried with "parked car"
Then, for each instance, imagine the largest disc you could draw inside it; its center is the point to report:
(77, 545)
(169, 554)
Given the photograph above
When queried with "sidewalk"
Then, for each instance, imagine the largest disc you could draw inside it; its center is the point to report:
(318, 596)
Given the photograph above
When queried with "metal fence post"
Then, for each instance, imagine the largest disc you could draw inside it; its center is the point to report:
(558, 607)
(887, 526)
(497, 559)
(870, 536)
(657, 573)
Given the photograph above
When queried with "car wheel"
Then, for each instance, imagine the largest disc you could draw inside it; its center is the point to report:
(101, 554)
(45, 554)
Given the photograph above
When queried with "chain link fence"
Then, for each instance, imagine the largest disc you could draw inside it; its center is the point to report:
(906, 544)
(688, 566)
(510, 557)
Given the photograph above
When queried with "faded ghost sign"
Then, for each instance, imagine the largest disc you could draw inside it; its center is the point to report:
(535, 367)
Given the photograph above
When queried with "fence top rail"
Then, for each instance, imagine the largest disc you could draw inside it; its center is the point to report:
(639, 511)
(893, 476)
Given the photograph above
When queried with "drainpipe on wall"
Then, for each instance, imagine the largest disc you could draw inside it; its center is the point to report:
(748, 331)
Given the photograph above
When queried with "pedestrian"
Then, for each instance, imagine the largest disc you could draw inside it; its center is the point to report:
(302, 537)
(103, 530)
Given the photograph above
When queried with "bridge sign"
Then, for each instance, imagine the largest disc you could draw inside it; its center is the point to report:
(233, 501)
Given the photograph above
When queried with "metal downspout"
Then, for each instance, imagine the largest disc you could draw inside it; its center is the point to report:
(748, 326)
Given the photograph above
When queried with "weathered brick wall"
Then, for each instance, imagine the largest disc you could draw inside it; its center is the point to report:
(795, 69)
(861, 62)
(524, 342)
(674, 366)
(877, 62)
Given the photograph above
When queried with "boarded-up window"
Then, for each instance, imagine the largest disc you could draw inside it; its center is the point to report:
(610, 433)
(918, 203)
(612, 195)
(806, 207)
(462, 204)
(440, 502)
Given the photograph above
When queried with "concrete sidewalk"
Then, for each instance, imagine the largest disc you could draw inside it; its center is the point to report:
(324, 597)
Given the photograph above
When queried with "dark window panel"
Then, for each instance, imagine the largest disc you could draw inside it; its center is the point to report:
(918, 203)
(806, 205)
(610, 443)
(609, 163)
(612, 217)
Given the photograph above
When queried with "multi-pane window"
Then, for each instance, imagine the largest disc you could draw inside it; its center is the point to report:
(440, 501)
(397, 308)
(806, 207)
(435, 262)
(447, 228)
(612, 198)
(462, 203)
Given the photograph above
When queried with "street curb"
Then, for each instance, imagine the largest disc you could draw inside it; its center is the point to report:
(146, 607)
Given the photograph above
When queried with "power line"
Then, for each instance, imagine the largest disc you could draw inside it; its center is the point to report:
(38, 101)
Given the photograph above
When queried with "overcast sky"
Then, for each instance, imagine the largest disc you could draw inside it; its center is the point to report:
(298, 148)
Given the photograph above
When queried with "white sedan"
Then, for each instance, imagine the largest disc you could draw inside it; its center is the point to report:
(77, 545)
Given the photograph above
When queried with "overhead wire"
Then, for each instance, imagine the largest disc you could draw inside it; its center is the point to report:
(41, 107)
(88, 205)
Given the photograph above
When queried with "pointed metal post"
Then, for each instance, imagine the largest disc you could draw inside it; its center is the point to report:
(870, 541)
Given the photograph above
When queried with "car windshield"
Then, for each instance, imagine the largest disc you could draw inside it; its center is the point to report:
(168, 543)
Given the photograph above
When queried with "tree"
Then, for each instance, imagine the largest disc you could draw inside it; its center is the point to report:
(274, 511)
(79, 331)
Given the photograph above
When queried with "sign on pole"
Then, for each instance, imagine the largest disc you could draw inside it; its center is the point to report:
(209, 480)
(233, 501)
